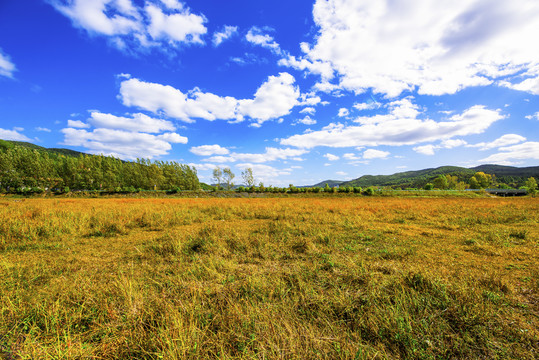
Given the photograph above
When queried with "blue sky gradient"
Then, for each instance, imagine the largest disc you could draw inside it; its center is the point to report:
(299, 91)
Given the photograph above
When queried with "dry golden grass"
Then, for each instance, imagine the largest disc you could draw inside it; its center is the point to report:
(280, 278)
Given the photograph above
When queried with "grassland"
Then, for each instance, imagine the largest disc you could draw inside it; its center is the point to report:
(280, 278)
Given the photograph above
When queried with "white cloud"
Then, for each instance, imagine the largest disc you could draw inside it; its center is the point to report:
(220, 159)
(375, 154)
(203, 167)
(367, 106)
(305, 121)
(257, 36)
(160, 24)
(341, 173)
(351, 156)
(432, 46)
(209, 150)
(77, 124)
(343, 112)
(452, 143)
(7, 68)
(138, 122)
(530, 83)
(44, 129)
(173, 4)
(401, 126)
(13, 135)
(274, 98)
(534, 116)
(425, 149)
(309, 99)
(174, 28)
(123, 144)
(313, 67)
(227, 32)
(445, 144)
(267, 174)
(308, 110)
(508, 139)
(507, 155)
(331, 157)
(271, 154)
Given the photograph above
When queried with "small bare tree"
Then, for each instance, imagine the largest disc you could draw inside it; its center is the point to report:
(248, 177)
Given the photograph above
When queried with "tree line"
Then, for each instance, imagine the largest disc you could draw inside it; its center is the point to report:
(479, 180)
(24, 170)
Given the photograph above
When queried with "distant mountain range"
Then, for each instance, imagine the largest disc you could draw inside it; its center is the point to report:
(513, 176)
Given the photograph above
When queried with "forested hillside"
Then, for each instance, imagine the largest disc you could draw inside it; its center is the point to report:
(26, 168)
(507, 175)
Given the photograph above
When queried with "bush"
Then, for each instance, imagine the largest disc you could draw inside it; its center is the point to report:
(369, 191)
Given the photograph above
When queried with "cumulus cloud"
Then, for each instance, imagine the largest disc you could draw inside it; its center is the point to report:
(209, 150)
(401, 126)
(425, 149)
(445, 144)
(260, 37)
(174, 27)
(274, 98)
(120, 143)
(308, 110)
(331, 157)
(43, 129)
(126, 137)
(430, 46)
(270, 154)
(375, 154)
(307, 120)
(14, 134)
(509, 154)
(138, 122)
(343, 112)
(367, 106)
(159, 24)
(508, 139)
(77, 124)
(267, 174)
(533, 117)
(205, 167)
(323, 69)
(7, 68)
(226, 33)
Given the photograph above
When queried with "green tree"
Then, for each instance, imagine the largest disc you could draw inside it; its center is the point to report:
(452, 181)
(228, 176)
(217, 176)
(441, 182)
(531, 185)
(248, 177)
(480, 180)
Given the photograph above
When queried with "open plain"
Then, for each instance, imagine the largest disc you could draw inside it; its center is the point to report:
(348, 277)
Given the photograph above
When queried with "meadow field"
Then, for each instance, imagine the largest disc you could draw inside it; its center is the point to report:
(350, 277)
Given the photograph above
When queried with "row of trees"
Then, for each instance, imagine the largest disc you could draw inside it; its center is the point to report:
(479, 180)
(23, 169)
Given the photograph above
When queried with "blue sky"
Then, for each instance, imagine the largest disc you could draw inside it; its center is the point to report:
(300, 91)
